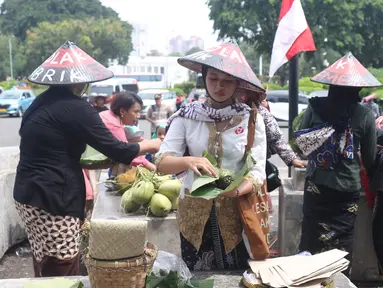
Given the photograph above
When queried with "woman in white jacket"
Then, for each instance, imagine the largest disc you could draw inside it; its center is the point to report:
(211, 230)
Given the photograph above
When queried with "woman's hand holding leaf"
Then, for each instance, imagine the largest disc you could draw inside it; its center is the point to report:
(200, 164)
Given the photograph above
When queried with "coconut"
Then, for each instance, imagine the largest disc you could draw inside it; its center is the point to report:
(127, 202)
(128, 177)
(143, 192)
(160, 205)
(171, 189)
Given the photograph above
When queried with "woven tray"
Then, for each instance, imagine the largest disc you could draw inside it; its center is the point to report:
(117, 239)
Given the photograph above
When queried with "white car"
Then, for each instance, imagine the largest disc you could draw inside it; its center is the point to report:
(281, 110)
(169, 98)
(279, 103)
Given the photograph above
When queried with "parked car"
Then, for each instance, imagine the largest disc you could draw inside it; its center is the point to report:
(193, 95)
(277, 96)
(320, 93)
(168, 98)
(279, 103)
(15, 102)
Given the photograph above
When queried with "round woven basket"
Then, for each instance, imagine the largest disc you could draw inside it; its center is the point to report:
(130, 273)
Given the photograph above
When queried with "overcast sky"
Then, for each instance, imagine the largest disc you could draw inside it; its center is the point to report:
(167, 18)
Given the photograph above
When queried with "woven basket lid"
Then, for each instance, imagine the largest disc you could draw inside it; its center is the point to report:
(117, 239)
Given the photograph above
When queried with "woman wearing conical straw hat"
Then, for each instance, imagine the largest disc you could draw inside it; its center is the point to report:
(332, 130)
(49, 190)
(211, 230)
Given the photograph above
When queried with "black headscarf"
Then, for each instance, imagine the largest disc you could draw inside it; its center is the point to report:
(338, 107)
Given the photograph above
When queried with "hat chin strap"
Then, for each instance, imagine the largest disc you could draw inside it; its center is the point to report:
(220, 102)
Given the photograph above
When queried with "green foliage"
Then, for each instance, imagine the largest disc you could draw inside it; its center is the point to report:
(19, 16)
(8, 84)
(178, 91)
(18, 56)
(103, 39)
(175, 54)
(187, 87)
(154, 53)
(338, 26)
(193, 50)
(40, 27)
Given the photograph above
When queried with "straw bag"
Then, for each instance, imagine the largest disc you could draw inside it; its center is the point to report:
(253, 209)
(129, 273)
(117, 239)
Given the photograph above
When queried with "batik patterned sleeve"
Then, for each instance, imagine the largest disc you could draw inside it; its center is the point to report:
(276, 144)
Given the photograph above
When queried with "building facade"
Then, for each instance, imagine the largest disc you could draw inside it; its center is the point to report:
(180, 45)
(168, 66)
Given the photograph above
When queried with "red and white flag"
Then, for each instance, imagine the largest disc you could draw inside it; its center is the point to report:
(293, 35)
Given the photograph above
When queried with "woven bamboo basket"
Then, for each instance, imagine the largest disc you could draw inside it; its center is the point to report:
(129, 273)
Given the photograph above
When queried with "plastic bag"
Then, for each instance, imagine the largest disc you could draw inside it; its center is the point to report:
(169, 262)
(170, 271)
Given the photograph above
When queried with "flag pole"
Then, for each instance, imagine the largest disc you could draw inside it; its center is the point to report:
(293, 94)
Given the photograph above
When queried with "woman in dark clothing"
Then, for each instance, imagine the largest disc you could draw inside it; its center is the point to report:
(49, 190)
(333, 130)
(376, 185)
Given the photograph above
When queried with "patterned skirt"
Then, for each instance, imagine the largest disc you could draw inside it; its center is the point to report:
(211, 255)
(48, 235)
(328, 219)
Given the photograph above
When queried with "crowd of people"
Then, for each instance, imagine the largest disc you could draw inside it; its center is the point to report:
(336, 134)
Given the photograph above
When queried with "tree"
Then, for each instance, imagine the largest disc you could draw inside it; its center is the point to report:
(252, 57)
(18, 16)
(154, 53)
(193, 50)
(18, 57)
(175, 54)
(335, 24)
(103, 39)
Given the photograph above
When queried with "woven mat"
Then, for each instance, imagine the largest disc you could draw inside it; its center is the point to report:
(117, 239)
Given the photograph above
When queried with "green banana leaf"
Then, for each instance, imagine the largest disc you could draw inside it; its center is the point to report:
(174, 280)
(210, 157)
(56, 283)
(91, 157)
(202, 181)
(209, 191)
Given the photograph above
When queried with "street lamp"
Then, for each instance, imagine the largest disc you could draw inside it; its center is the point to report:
(10, 56)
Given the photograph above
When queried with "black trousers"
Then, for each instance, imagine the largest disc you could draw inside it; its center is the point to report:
(328, 220)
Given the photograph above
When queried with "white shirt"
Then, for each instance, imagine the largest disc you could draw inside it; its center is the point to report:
(194, 134)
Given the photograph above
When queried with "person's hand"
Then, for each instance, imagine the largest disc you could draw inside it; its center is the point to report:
(231, 194)
(379, 122)
(298, 163)
(198, 164)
